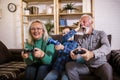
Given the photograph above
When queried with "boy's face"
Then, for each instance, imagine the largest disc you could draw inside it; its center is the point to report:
(65, 31)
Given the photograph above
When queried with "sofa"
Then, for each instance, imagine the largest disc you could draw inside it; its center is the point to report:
(11, 63)
(113, 58)
(12, 66)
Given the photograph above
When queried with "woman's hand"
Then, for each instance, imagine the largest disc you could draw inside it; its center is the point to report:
(24, 55)
(38, 53)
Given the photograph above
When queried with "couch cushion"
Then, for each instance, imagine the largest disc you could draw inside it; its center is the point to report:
(57, 37)
(5, 55)
(11, 70)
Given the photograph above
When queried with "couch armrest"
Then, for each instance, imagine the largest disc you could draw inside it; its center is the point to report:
(16, 53)
(115, 60)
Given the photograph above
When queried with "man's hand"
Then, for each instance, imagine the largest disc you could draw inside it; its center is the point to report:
(72, 55)
(78, 27)
(88, 55)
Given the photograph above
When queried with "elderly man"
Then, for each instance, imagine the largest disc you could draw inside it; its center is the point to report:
(96, 46)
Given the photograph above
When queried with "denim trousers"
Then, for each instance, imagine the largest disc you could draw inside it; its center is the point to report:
(54, 75)
(104, 72)
(36, 72)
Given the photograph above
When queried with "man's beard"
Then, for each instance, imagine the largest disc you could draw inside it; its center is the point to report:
(85, 30)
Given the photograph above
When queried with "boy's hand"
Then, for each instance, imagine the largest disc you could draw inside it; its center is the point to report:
(59, 47)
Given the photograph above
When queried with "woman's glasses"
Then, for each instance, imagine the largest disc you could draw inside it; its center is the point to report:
(38, 29)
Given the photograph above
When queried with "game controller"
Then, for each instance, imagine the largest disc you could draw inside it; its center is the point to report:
(52, 41)
(77, 51)
(28, 51)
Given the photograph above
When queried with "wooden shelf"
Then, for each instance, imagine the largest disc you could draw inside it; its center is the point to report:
(68, 26)
(29, 1)
(57, 13)
(61, 14)
(74, 13)
(70, 0)
(37, 15)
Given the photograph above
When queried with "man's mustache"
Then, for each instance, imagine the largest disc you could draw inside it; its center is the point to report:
(83, 28)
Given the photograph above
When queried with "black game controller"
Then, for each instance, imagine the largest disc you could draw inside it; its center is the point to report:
(28, 51)
(79, 51)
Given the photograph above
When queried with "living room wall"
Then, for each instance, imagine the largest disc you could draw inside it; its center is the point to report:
(10, 24)
(107, 18)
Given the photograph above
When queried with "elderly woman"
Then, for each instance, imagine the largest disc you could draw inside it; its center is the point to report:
(40, 54)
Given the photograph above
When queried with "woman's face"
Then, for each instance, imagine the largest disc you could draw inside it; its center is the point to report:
(36, 30)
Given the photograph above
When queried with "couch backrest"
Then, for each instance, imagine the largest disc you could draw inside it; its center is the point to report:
(59, 37)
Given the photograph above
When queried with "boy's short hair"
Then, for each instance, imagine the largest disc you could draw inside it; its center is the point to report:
(67, 27)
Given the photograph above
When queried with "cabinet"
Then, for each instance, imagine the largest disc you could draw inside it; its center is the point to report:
(54, 11)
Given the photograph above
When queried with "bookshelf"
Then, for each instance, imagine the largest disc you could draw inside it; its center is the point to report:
(53, 10)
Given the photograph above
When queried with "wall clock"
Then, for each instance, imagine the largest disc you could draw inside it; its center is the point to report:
(12, 7)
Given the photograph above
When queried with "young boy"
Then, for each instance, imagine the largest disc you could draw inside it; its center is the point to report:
(68, 44)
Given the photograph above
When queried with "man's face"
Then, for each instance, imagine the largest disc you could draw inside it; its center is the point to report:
(86, 25)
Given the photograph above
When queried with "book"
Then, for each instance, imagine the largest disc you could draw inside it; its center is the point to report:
(63, 22)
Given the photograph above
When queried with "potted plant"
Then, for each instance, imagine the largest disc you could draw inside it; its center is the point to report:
(69, 7)
(26, 11)
(49, 26)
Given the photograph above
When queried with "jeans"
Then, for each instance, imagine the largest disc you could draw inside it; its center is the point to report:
(36, 72)
(54, 75)
(104, 72)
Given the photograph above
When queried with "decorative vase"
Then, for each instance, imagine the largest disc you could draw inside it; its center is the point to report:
(69, 11)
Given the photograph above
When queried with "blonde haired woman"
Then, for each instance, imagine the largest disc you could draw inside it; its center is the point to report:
(39, 59)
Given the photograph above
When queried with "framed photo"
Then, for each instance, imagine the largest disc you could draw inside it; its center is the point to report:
(63, 22)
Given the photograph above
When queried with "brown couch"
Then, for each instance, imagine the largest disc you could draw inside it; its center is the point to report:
(11, 63)
(12, 66)
(113, 59)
